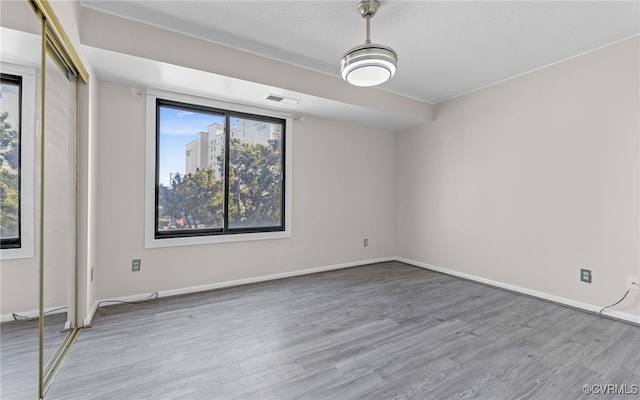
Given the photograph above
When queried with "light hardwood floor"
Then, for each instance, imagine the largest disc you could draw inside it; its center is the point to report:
(383, 331)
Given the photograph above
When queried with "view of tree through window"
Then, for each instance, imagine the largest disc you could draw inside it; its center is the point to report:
(255, 171)
(195, 157)
(10, 109)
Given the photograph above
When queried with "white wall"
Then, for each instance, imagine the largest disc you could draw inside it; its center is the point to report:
(527, 181)
(343, 191)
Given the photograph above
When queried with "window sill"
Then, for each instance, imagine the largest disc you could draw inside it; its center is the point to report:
(16, 254)
(152, 243)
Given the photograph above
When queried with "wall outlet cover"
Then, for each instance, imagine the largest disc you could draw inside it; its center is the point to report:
(585, 275)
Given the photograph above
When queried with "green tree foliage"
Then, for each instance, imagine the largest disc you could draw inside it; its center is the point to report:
(255, 184)
(196, 200)
(193, 200)
(9, 146)
(9, 178)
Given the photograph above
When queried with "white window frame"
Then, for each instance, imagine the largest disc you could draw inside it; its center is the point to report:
(150, 240)
(28, 128)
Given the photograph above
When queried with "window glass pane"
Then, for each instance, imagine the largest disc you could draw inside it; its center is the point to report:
(255, 174)
(10, 98)
(190, 169)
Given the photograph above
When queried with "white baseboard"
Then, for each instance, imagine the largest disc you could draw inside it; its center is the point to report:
(530, 292)
(86, 323)
(219, 285)
(33, 313)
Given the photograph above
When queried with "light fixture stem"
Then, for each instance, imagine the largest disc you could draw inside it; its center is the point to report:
(368, 29)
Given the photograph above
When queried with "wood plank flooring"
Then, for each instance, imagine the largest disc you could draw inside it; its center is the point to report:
(383, 331)
(19, 354)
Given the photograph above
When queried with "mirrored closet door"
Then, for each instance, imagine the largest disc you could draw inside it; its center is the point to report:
(58, 222)
(41, 74)
(20, 110)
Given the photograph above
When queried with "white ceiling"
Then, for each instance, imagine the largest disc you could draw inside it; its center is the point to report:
(445, 48)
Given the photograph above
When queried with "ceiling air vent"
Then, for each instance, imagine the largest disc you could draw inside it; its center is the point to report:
(284, 100)
(273, 97)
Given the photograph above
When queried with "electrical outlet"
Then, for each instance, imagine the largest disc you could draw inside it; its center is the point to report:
(135, 265)
(631, 280)
(585, 275)
(366, 242)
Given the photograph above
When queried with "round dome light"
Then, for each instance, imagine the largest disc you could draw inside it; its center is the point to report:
(368, 65)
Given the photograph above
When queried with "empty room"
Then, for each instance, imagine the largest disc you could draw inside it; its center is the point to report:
(292, 200)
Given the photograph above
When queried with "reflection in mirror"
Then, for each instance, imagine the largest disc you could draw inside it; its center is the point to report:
(20, 58)
(34, 194)
(59, 201)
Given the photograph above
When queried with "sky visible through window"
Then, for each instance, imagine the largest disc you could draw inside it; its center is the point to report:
(177, 128)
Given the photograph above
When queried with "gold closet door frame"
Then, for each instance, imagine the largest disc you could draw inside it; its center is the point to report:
(57, 45)
(59, 39)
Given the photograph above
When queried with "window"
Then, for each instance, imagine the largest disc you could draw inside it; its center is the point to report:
(10, 161)
(17, 161)
(239, 189)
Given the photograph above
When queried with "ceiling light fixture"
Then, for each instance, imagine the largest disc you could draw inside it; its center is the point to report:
(369, 64)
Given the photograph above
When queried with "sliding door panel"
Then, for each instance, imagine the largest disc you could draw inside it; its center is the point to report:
(59, 239)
